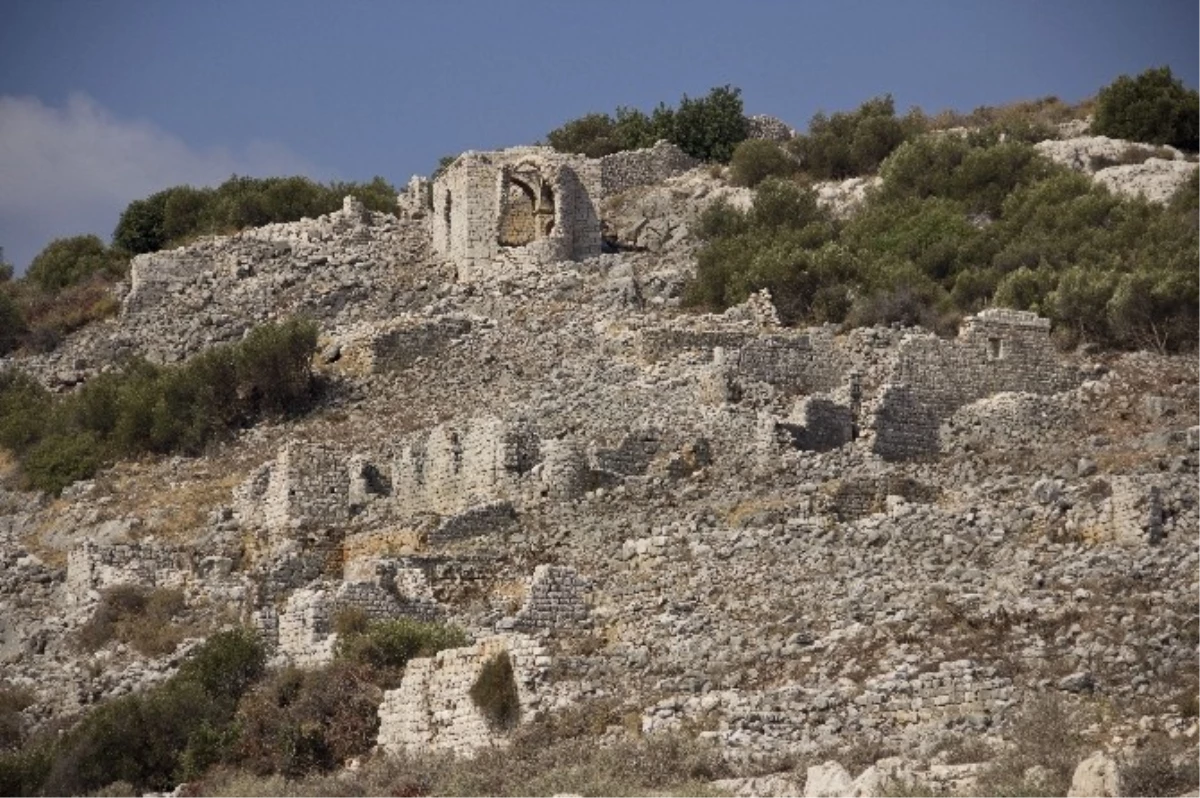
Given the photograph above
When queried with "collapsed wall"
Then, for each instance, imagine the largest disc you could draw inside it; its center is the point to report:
(997, 350)
(432, 710)
(454, 466)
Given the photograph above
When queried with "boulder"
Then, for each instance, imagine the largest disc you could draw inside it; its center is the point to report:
(1097, 775)
(829, 780)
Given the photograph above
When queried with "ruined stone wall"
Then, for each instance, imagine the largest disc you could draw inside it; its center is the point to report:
(821, 424)
(432, 709)
(528, 203)
(555, 600)
(92, 567)
(956, 689)
(309, 486)
(455, 466)
(305, 628)
(486, 519)
(997, 350)
(402, 344)
(625, 170)
(1135, 511)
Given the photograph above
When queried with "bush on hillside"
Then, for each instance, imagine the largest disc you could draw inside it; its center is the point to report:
(140, 617)
(174, 215)
(161, 409)
(977, 171)
(386, 646)
(711, 127)
(299, 722)
(68, 261)
(1154, 107)
(12, 324)
(150, 740)
(959, 223)
(856, 143)
(754, 160)
(708, 128)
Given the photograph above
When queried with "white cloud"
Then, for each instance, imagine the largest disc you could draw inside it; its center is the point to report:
(71, 170)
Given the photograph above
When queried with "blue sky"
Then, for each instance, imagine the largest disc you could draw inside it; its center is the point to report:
(103, 103)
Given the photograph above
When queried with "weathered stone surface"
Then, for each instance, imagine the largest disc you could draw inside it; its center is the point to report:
(1098, 775)
(828, 780)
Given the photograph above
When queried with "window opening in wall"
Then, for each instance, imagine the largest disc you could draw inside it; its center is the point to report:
(446, 210)
(995, 349)
(527, 213)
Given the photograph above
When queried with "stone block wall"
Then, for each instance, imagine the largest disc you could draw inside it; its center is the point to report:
(956, 689)
(625, 170)
(400, 346)
(308, 486)
(454, 466)
(821, 425)
(555, 600)
(631, 457)
(904, 426)
(996, 351)
(1135, 512)
(486, 519)
(305, 628)
(432, 709)
(528, 200)
(92, 567)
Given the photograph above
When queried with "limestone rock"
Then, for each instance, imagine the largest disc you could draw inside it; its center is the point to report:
(1098, 775)
(829, 780)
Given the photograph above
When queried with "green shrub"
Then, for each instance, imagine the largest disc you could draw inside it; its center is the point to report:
(12, 727)
(67, 261)
(60, 459)
(977, 172)
(180, 213)
(12, 323)
(227, 664)
(708, 128)
(164, 735)
(1153, 107)
(754, 160)
(163, 409)
(23, 418)
(387, 645)
(298, 722)
(847, 144)
(495, 692)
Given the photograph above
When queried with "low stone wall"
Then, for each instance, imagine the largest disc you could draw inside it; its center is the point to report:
(478, 521)
(625, 170)
(403, 344)
(452, 467)
(432, 709)
(92, 567)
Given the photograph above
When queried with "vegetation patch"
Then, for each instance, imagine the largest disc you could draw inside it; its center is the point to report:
(146, 619)
(708, 128)
(386, 646)
(495, 692)
(156, 409)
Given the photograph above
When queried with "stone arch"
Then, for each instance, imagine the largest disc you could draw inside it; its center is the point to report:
(527, 207)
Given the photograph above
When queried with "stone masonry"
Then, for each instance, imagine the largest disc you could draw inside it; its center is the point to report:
(555, 600)
(452, 467)
(92, 567)
(432, 709)
(533, 201)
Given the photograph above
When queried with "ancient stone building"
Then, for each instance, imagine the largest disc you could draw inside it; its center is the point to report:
(531, 202)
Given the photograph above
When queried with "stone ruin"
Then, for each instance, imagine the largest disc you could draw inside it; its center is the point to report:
(532, 201)
(432, 710)
(530, 205)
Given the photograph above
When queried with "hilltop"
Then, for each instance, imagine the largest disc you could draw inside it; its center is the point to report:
(565, 485)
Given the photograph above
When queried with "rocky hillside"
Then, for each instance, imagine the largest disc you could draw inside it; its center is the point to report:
(871, 560)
